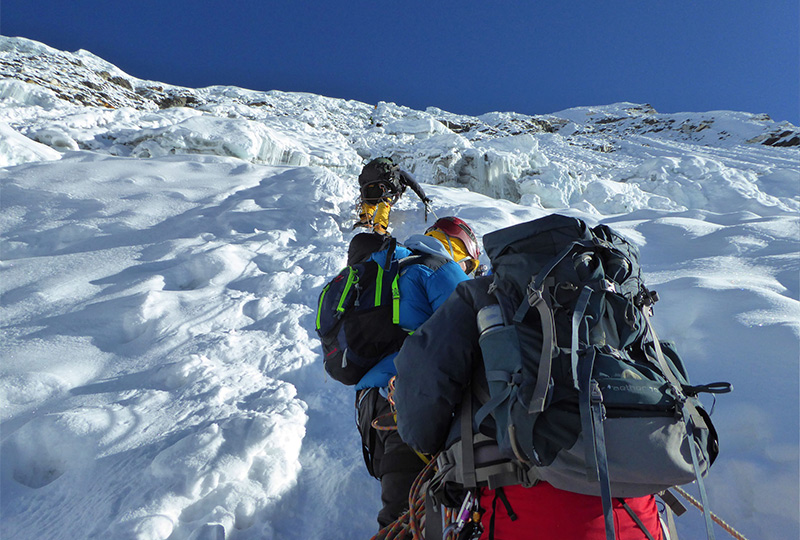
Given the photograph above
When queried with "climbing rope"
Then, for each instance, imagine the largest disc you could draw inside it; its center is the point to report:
(694, 502)
(410, 525)
(385, 422)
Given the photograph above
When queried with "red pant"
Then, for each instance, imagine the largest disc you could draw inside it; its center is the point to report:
(546, 513)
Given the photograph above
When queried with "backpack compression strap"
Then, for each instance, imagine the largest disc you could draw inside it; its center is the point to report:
(352, 277)
(690, 416)
(395, 294)
(470, 459)
(592, 413)
(537, 299)
(387, 267)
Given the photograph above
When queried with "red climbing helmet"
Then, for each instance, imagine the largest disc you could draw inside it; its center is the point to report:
(457, 228)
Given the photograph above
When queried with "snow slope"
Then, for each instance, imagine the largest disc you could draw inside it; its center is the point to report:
(163, 249)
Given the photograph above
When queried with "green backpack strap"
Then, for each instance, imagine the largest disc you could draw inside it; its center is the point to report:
(391, 264)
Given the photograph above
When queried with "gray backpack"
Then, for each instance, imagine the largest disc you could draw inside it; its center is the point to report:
(582, 393)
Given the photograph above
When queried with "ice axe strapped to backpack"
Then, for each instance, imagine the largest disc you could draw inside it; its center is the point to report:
(581, 392)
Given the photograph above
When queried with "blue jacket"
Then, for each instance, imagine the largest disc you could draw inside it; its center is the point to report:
(422, 290)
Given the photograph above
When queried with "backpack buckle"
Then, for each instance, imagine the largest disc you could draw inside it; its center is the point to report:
(534, 295)
(608, 285)
(595, 394)
(526, 476)
(596, 399)
(645, 297)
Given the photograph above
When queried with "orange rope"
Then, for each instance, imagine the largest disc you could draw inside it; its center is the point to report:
(694, 502)
(411, 524)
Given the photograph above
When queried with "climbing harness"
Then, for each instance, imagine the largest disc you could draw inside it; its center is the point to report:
(388, 421)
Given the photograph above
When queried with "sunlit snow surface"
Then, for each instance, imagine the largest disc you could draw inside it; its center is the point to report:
(160, 375)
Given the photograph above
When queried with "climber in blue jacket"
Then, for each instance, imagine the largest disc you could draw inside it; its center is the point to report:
(431, 265)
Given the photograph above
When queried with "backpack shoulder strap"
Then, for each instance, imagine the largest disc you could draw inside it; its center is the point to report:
(434, 262)
(386, 276)
(390, 245)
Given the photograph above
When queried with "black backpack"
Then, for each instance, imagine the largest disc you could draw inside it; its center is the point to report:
(358, 314)
(380, 180)
(582, 393)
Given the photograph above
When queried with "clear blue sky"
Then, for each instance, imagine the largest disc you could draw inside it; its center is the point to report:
(463, 56)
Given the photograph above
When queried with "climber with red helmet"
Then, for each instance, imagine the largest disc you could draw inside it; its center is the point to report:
(459, 240)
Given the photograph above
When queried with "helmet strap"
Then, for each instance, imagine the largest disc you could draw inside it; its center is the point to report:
(450, 245)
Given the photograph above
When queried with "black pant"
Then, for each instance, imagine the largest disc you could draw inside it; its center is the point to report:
(387, 457)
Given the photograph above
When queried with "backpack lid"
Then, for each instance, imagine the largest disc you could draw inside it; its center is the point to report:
(363, 245)
(521, 251)
(381, 168)
(546, 235)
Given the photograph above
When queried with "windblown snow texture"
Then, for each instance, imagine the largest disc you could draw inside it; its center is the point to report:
(163, 249)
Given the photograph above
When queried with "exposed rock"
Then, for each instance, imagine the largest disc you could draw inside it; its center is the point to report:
(260, 104)
(172, 101)
(121, 81)
(787, 138)
(609, 120)
(456, 127)
(68, 78)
